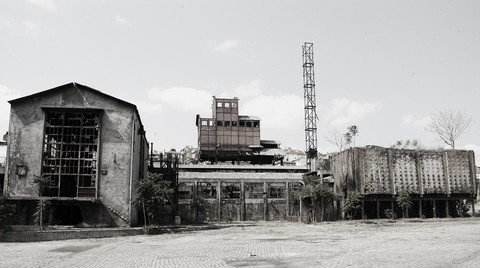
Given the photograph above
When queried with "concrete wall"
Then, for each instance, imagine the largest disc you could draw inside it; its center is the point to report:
(376, 171)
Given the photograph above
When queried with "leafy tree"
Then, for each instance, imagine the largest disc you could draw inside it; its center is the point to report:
(351, 205)
(404, 201)
(315, 195)
(152, 194)
(449, 125)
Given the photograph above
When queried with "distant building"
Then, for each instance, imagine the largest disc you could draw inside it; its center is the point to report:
(90, 145)
(228, 136)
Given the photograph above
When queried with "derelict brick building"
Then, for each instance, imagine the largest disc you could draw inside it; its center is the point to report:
(439, 182)
(91, 145)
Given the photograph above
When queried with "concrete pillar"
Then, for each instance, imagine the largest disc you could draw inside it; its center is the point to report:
(434, 209)
(378, 209)
(447, 209)
(473, 207)
(219, 197)
(242, 201)
(420, 212)
(265, 202)
(287, 197)
(363, 209)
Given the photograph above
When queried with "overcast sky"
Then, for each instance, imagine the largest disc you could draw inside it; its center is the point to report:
(384, 66)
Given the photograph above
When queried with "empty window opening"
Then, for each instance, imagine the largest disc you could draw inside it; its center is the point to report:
(234, 123)
(219, 104)
(231, 190)
(206, 190)
(219, 123)
(256, 123)
(227, 123)
(70, 153)
(227, 104)
(242, 123)
(277, 190)
(254, 190)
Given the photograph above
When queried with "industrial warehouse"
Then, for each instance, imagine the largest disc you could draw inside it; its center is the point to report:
(93, 151)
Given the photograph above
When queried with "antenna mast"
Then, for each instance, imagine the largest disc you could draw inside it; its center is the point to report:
(310, 103)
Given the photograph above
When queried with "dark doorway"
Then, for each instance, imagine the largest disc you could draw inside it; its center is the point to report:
(67, 215)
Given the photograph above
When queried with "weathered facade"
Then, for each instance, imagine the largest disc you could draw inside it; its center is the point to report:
(439, 182)
(92, 148)
(228, 136)
(240, 192)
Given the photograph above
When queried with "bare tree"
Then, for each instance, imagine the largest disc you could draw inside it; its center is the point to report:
(449, 125)
(337, 139)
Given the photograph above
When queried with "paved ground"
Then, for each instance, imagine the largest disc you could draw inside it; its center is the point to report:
(432, 243)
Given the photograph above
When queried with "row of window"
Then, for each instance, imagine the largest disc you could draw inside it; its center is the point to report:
(227, 105)
(212, 123)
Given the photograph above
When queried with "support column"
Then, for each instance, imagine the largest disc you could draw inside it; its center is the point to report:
(287, 197)
(265, 202)
(473, 207)
(392, 207)
(434, 209)
(363, 209)
(219, 195)
(420, 212)
(447, 209)
(378, 209)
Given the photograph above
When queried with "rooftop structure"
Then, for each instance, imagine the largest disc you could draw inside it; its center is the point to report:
(228, 136)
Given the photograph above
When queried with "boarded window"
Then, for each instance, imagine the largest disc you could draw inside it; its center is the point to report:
(70, 153)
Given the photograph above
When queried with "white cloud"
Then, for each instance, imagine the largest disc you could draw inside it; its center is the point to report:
(249, 90)
(32, 29)
(181, 98)
(45, 4)
(343, 111)
(281, 112)
(224, 46)
(121, 20)
(7, 94)
(408, 120)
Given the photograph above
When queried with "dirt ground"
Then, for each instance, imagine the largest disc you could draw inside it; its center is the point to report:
(373, 243)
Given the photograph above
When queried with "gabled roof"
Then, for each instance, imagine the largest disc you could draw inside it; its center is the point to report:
(77, 86)
(59, 88)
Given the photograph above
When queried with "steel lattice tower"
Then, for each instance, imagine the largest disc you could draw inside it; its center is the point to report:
(309, 101)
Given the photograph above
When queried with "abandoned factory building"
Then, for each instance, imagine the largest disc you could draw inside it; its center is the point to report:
(441, 183)
(91, 147)
(240, 176)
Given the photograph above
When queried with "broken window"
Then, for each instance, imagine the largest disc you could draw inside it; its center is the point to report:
(254, 190)
(256, 123)
(185, 190)
(242, 123)
(227, 123)
(276, 190)
(227, 104)
(206, 190)
(70, 153)
(234, 123)
(234, 105)
(230, 190)
(219, 123)
(249, 124)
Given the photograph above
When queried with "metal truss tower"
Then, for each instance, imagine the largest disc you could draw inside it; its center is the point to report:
(309, 101)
